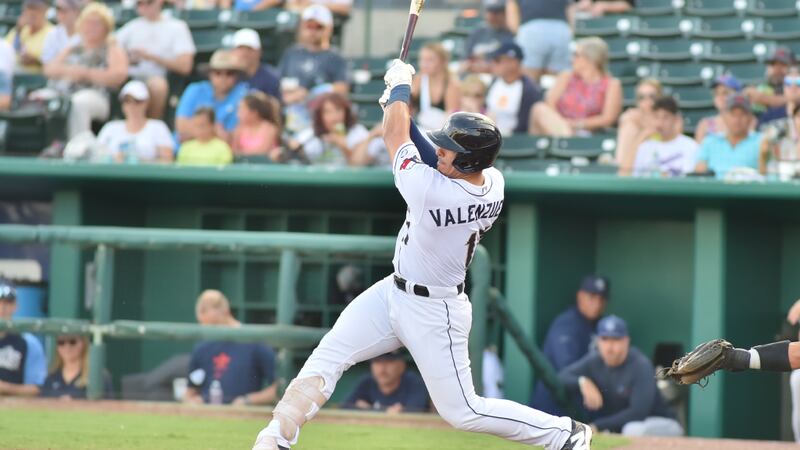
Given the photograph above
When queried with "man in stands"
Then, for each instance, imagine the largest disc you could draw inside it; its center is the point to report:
(390, 387)
(512, 94)
(768, 99)
(673, 154)
(242, 373)
(156, 45)
(261, 77)
(570, 335)
(27, 37)
(23, 366)
(618, 386)
(487, 38)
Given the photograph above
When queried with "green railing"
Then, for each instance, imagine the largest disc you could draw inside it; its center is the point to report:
(283, 334)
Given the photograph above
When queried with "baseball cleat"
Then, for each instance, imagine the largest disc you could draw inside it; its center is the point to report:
(267, 442)
(580, 439)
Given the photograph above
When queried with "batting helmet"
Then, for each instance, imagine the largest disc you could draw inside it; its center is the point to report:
(473, 136)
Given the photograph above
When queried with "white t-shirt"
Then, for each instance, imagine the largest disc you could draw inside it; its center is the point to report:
(675, 157)
(502, 103)
(141, 146)
(445, 219)
(8, 61)
(167, 38)
(56, 41)
(322, 153)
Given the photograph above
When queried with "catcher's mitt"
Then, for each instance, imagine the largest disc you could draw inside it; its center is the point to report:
(699, 363)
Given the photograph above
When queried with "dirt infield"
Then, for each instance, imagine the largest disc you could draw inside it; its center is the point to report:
(350, 418)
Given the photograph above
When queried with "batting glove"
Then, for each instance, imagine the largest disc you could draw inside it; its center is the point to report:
(398, 73)
(384, 98)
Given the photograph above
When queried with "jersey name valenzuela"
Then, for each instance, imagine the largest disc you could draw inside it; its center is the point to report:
(445, 220)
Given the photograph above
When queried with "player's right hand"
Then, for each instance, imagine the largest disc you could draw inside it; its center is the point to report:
(398, 73)
(384, 98)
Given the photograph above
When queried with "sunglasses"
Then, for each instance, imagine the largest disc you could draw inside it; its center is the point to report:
(227, 73)
(70, 341)
(646, 96)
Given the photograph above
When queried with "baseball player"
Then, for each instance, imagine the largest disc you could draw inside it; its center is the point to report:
(453, 196)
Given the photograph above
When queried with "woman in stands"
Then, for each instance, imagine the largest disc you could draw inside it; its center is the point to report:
(259, 130)
(584, 100)
(723, 87)
(435, 92)
(69, 373)
(87, 71)
(637, 124)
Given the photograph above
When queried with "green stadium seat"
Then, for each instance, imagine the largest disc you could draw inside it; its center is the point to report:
(367, 92)
(773, 8)
(207, 41)
(692, 97)
(662, 26)
(777, 28)
(722, 28)
(465, 24)
(456, 46)
(670, 49)
(198, 19)
(532, 165)
(626, 71)
(618, 47)
(522, 145)
(682, 73)
(29, 82)
(9, 13)
(370, 114)
(713, 8)
(603, 26)
(654, 8)
(265, 20)
(692, 117)
(123, 15)
(375, 65)
(586, 147)
(747, 73)
(629, 94)
(725, 51)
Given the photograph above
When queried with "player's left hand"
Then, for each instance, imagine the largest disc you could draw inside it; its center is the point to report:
(384, 98)
(398, 73)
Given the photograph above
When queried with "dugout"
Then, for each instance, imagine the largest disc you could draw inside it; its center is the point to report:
(689, 260)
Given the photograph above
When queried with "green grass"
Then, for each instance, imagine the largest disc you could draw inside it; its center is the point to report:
(22, 428)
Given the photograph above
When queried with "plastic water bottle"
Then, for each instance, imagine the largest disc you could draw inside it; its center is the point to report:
(215, 393)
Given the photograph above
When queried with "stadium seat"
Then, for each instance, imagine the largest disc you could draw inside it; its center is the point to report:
(725, 51)
(773, 8)
(691, 117)
(714, 8)
(465, 24)
(747, 73)
(369, 114)
(629, 94)
(670, 49)
(122, 15)
(682, 73)
(662, 26)
(625, 71)
(375, 65)
(587, 147)
(618, 47)
(777, 28)
(198, 19)
(367, 92)
(603, 26)
(532, 165)
(9, 13)
(692, 97)
(655, 7)
(28, 82)
(524, 146)
(455, 45)
(265, 20)
(207, 41)
(722, 28)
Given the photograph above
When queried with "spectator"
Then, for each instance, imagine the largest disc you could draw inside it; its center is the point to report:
(137, 138)
(23, 366)
(637, 124)
(543, 33)
(151, 55)
(65, 34)
(618, 385)
(724, 86)
(245, 372)
(473, 94)
(767, 98)
(434, 91)
(487, 38)
(599, 8)
(570, 335)
(672, 154)
(222, 92)
(7, 64)
(512, 94)
(88, 70)
(69, 373)
(206, 149)
(201, 4)
(738, 147)
(259, 129)
(582, 101)
(252, 5)
(338, 7)
(389, 387)
(338, 139)
(782, 135)
(27, 37)
(247, 47)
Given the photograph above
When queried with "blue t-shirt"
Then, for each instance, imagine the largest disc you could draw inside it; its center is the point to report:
(241, 368)
(22, 359)
(567, 341)
(411, 394)
(201, 94)
(245, 5)
(266, 80)
(55, 386)
(717, 153)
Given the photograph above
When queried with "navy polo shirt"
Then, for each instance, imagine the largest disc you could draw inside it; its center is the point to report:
(411, 394)
(241, 368)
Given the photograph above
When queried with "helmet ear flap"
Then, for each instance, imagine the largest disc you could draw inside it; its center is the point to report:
(474, 137)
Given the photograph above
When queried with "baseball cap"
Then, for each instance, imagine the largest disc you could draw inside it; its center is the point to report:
(729, 81)
(738, 101)
(247, 37)
(510, 49)
(782, 55)
(613, 327)
(318, 13)
(394, 355)
(7, 291)
(135, 89)
(494, 5)
(595, 284)
(224, 60)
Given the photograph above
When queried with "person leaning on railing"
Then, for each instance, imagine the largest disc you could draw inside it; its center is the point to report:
(69, 372)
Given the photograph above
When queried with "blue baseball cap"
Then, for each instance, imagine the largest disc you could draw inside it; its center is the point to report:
(612, 327)
(729, 81)
(595, 284)
(510, 49)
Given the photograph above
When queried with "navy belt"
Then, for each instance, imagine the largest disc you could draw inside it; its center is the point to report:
(422, 290)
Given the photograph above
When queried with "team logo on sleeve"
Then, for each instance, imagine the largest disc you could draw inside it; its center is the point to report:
(405, 164)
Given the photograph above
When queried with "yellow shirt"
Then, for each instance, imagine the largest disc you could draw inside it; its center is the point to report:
(32, 44)
(212, 153)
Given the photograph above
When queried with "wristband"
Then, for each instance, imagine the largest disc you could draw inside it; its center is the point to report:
(400, 93)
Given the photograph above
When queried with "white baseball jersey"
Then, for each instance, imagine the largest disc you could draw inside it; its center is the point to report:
(445, 219)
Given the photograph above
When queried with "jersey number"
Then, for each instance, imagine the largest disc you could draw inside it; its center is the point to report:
(473, 241)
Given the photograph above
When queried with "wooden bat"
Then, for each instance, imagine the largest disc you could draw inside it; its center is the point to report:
(413, 15)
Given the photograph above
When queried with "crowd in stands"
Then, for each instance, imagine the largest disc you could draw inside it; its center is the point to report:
(521, 65)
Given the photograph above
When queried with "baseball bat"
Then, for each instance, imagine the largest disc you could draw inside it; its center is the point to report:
(413, 15)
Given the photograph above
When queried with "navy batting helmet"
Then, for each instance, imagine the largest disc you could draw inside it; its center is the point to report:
(473, 136)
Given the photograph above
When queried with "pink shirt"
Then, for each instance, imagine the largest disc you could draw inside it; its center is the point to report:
(581, 99)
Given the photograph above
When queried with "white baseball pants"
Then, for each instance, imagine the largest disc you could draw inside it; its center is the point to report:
(435, 331)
